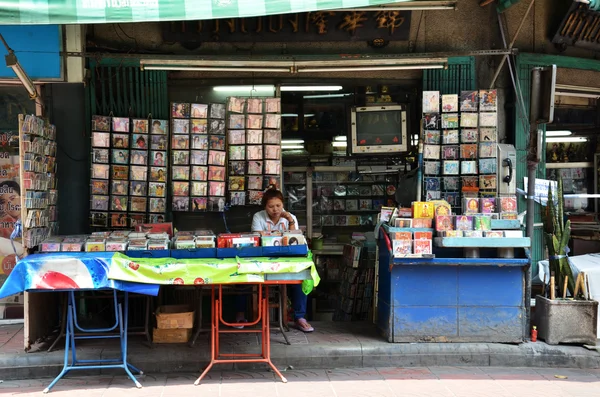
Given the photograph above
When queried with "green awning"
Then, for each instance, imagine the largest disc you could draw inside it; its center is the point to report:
(40, 12)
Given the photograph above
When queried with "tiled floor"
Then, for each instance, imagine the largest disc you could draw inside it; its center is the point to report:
(364, 382)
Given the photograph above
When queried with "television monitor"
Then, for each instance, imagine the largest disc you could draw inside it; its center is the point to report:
(379, 130)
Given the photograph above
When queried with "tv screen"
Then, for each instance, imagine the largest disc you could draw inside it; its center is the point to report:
(379, 129)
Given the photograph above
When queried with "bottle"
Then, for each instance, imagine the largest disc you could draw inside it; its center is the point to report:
(534, 334)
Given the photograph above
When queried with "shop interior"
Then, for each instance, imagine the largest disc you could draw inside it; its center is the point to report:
(571, 147)
(319, 162)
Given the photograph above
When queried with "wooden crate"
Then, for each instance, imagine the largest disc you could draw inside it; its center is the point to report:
(174, 317)
(175, 335)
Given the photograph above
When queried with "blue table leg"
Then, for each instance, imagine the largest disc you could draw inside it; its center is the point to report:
(121, 321)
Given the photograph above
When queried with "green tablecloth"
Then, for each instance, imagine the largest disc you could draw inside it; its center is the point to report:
(201, 271)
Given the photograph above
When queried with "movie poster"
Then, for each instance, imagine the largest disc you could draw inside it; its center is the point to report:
(10, 204)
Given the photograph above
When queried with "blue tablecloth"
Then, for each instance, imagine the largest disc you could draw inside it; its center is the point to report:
(68, 271)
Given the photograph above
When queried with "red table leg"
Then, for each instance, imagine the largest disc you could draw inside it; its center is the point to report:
(217, 319)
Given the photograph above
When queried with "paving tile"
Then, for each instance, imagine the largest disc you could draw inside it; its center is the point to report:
(366, 388)
(459, 373)
(406, 373)
(237, 389)
(209, 389)
(476, 387)
(419, 388)
(314, 375)
(248, 376)
(353, 374)
(570, 372)
(509, 373)
(299, 389)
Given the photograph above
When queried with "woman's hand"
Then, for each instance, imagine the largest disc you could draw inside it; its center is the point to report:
(292, 223)
(287, 216)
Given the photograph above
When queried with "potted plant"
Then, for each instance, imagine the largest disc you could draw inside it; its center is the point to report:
(564, 314)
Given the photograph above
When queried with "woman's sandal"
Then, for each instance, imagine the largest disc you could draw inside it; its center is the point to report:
(240, 321)
(303, 325)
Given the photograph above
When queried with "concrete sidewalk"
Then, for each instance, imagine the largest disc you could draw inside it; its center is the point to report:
(363, 382)
(333, 345)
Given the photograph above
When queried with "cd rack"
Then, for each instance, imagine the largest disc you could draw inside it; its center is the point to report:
(39, 196)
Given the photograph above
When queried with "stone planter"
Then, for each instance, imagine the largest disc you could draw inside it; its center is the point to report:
(566, 321)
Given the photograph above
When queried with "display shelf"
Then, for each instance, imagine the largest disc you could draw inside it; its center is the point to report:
(482, 242)
(349, 182)
(569, 165)
(333, 252)
(37, 165)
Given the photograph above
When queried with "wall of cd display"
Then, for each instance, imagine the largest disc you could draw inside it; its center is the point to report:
(198, 157)
(129, 171)
(460, 145)
(224, 153)
(254, 148)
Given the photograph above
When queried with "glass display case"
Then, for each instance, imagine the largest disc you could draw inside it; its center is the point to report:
(576, 180)
(296, 185)
(344, 200)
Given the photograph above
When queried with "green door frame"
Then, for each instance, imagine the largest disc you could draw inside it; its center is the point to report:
(524, 63)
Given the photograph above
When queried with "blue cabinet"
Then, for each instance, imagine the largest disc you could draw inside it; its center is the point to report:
(452, 299)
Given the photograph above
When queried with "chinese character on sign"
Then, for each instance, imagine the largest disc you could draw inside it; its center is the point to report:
(352, 21)
(389, 20)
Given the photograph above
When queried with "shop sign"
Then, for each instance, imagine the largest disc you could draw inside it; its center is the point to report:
(298, 27)
(10, 199)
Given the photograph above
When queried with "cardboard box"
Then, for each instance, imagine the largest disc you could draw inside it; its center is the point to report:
(180, 335)
(174, 316)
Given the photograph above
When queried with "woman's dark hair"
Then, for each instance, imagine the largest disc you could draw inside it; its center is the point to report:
(140, 139)
(271, 194)
(11, 185)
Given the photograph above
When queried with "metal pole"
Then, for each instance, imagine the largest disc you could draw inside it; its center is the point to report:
(512, 43)
(532, 156)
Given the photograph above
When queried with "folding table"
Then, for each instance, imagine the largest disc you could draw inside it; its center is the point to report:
(75, 272)
(216, 357)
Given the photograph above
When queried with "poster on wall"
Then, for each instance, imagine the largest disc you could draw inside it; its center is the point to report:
(10, 204)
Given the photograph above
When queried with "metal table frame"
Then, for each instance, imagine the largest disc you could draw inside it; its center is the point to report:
(144, 330)
(264, 329)
(121, 323)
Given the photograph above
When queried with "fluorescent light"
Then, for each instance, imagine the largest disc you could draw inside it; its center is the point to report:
(326, 96)
(13, 63)
(236, 88)
(292, 146)
(369, 68)
(558, 133)
(567, 139)
(410, 6)
(577, 94)
(295, 115)
(310, 88)
(340, 138)
(216, 69)
(396, 8)
(339, 144)
(291, 141)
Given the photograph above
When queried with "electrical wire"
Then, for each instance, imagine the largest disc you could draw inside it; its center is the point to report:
(85, 159)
